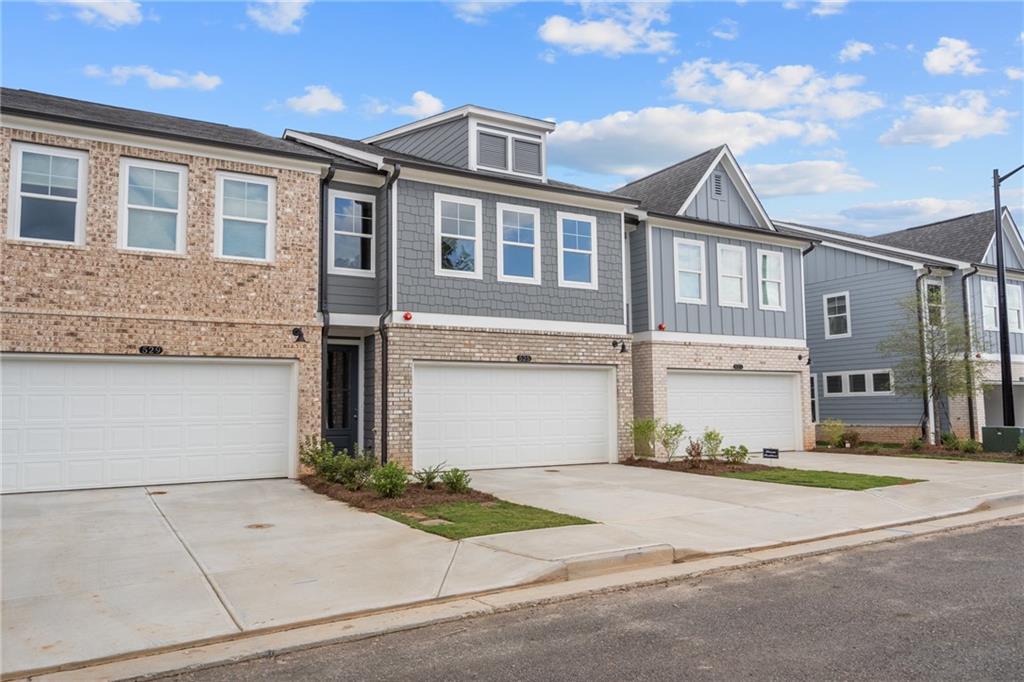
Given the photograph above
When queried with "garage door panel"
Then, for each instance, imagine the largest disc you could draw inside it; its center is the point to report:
(756, 410)
(479, 416)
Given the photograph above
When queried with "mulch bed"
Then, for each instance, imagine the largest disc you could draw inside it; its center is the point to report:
(415, 496)
(934, 451)
(707, 467)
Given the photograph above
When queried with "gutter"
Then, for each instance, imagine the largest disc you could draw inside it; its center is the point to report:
(382, 328)
(321, 303)
(967, 330)
(928, 434)
(810, 247)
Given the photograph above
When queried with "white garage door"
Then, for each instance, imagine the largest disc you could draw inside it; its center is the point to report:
(756, 410)
(78, 422)
(490, 416)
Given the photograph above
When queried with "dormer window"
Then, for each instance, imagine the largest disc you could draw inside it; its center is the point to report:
(509, 151)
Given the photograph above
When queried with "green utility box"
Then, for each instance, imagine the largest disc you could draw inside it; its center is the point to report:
(1001, 438)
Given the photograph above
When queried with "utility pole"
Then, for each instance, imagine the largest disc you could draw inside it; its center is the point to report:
(1006, 371)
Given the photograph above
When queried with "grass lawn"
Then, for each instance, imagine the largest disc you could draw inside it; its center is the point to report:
(469, 519)
(924, 452)
(819, 479)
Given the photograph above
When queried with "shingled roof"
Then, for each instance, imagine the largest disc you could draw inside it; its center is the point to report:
(665, 191)
(14, 102)
(965, 238)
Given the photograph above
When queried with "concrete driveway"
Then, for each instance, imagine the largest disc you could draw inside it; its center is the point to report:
(99, 573)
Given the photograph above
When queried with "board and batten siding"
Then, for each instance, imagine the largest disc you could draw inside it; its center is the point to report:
(639, 308)
(877, 291)
(728, 208)
(446, 143)
(990, 339)
(1009, 254)
(710, 317)
(420, 289)
(352, 294)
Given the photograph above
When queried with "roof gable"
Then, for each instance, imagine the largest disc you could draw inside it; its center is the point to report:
(965, 238)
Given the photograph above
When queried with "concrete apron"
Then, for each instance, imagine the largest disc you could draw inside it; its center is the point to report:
(197, 656)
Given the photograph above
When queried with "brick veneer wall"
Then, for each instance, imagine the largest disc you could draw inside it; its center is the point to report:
(881, 433)
(408, 343)
(653, 359)
(97, 298)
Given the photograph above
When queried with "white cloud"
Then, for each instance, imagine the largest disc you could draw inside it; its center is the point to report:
(909, 211)
(423, 104)
(629, 144)
(797, 90)
(611, 30)
(854, 50)
(827, 8)
(726, 29)
(936, 169)
(119, 75)
(966, 115)
(548, 56)
(477, 12)
(278, 16)
(110, 14)
(318, 99)
(804, 177)
(1013, 73)
(790, 4)
(952, 55)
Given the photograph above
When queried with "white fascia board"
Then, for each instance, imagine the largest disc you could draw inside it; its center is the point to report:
(143, 141)
(916, 265)
(732, 168)
(686, 225)
(504, 323)
(461, 112)
(720, 339)
(874, 245)
(375, 160)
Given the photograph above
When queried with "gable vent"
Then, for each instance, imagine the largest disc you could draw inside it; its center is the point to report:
(716, 185)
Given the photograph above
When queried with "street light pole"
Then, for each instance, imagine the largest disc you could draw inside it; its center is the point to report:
(1006, 371)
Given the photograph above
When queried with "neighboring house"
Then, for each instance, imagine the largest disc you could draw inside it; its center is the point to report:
(717, 307)
(159, 275)
(474, 308)
(856, 290)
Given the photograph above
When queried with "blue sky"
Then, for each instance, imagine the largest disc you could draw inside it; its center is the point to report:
(862, 115)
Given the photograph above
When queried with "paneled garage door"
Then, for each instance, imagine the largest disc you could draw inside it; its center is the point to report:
(488, 416)
(89, 422)
(756, 410)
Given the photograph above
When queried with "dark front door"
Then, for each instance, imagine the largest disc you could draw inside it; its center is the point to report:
(341, 396)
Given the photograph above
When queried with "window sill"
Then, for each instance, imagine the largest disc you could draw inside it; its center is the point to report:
(244, 261)
(840, 336)
(507, 279)
(153, 253)
(460, 274)
(691, 301)
(342, 272)
(20, 241)
(741, 306)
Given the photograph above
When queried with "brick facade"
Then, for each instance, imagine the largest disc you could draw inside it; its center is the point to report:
(99, 299)
(653, 359)
(408, 344)
(881, 433)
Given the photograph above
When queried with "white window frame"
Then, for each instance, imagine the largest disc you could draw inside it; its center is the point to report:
(351, 272)
(562, 282)
(270, 241)
(1014, 316)
(14, 204)
(869, 386)
(762, 277)
(535, 212)
(476, 127)
(934, 281)
(703, 272)
(181, 217)
(478, 259)
(745, 295)
(849, 314)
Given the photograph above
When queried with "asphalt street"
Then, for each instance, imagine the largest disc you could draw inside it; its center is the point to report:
(941, 607)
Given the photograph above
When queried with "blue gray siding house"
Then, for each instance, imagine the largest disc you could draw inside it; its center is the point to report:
(876, 277)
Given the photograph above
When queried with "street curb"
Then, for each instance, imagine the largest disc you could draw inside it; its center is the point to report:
(251, 646)
(615, 561)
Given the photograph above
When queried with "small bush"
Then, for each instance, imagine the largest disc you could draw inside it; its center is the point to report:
(317, 454)
(915, 444)
(337, 466)
(389, 480)
(456, 480)
(950, 441)
(736, 454)
(1020, 447)
(645, 435)
(694, 451)
(969, 446)
(851, 438)
(669, 436)
(428, 476)
(833, 430)
(712, 444)
(873, 449)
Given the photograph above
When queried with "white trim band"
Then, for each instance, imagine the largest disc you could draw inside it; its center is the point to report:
(721, 339)
(509, 323)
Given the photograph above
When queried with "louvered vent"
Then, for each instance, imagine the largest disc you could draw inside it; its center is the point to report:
(716, 185)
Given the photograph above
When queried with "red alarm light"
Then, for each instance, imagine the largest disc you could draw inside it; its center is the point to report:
(407, 316)
(661, 327)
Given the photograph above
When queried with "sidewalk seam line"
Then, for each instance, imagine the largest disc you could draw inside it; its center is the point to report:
(440, 588)
(216, 591)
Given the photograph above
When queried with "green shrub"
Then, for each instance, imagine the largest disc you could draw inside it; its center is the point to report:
(872, 449)
(694, 451)
(712, 444)
(456, 480)
(970, 446)
(915, 444)
(851, 438)
(389, 480)
(428, 476)
(950, 441)
(317, 454)
(736, 455)
(645, 435)
(337, 466)
(833, 430)
(1020, 447)
(669, 436)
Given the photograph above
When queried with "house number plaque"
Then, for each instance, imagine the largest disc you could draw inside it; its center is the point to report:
(524, 358)
(151, 350)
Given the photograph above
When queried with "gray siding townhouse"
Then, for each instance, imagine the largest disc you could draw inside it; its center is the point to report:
(717, 307)
(473, 308)
(857, 289)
